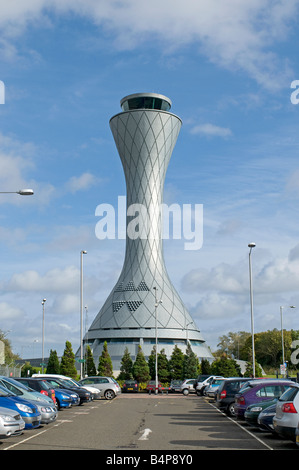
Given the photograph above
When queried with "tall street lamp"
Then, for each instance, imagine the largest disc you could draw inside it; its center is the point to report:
(83, 252)
(43, 335)
(156, 330)
(282, 340)
(251, 245)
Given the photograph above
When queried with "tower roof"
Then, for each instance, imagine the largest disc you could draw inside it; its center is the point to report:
(145, 101)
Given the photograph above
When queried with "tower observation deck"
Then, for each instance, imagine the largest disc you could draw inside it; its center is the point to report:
(145, 133)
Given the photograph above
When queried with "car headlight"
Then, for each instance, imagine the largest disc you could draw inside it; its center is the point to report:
(256, 408)
(24, 408)
(7, 418)
(46, 409)
(65, 397)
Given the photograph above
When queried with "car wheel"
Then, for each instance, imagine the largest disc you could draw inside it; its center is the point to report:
(109, 394)
(231, 409)
(186, 391)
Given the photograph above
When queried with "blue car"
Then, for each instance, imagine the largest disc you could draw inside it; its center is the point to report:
(25, 408)
(64, 398)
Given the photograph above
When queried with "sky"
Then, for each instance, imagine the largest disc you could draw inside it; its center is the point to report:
(228, 67)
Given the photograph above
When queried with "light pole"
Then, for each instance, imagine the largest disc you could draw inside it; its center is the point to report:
(251, 245)
(156, 330)
(282, 340)
(83, 252)
(43, 334)
(22, 192)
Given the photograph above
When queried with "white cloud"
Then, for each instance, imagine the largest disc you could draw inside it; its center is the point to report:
(55, 280)
(82, 182)
(233, 34)
(9, 312)
(211, 130)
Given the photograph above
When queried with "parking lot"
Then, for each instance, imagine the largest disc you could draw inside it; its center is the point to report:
(143, 422)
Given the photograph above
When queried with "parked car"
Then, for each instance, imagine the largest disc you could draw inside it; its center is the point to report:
(253, 411)
(39, 385)
(68, 384)
(265, 418)
(151, 386)
(204, 383)
(187, 386)
(225, 398)
(73, 385)
(63, 399)
(25, 408)
(211, 390)
(130, 386)
(200, 379)
(108, 386)
(175, 386)
(257, 391)
(44, 404)
(11, 423)
(286, 418)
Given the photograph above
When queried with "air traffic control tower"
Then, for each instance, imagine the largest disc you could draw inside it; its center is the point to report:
(145, 133)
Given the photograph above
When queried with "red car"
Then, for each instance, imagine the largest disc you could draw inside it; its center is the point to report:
(151, 386)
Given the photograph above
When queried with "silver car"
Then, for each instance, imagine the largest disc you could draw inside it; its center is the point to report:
(286, 419)
(44, 404)
(11, 423)
(187, 386)
(108, 386)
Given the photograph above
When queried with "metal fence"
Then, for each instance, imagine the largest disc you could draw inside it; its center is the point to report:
(8, 371)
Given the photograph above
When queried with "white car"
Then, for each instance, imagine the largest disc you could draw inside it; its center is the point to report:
(11, 423)
(201, 386)
(286, 419)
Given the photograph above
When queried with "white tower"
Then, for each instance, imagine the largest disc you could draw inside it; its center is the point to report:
(145, 133)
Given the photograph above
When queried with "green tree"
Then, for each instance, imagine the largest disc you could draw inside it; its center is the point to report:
(249, 370)
(225, 367)
(67, 364)
(89, 365)
(105, 363)
(140, 367)
(205, 367)
(191, 364)
(152, 363)
(163, 367)
(126, 368)
(176, 363)
(53, 366)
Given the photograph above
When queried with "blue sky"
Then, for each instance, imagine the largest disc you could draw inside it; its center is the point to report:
(227, 66)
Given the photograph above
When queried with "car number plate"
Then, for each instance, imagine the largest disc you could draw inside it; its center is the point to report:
(297, 438)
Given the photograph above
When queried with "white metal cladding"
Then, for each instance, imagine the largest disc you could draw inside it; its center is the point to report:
(145, 139)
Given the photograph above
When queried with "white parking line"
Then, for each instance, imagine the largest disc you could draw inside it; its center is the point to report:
(241, 427)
